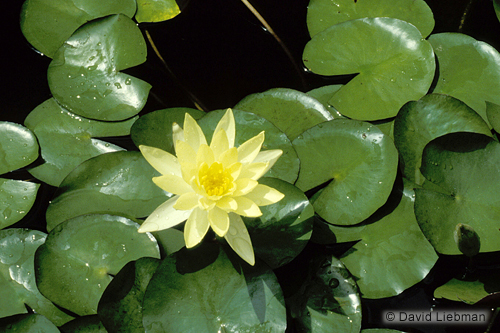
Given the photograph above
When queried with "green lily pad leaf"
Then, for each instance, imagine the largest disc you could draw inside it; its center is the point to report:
(27, 323)
(85, 78)
(184, 297)
(81, 255)
(18, 147)
(470, 291)
(66, 140)
(170, 241)
(84, 324)
(120, 307)
(249, 125)
(156, 10)
(115, 182)
(16, 199)
(419, 122)
(466, 167)
(358, 161)
(155, 128)
(392, 254)
(395, 66)
(380, 330)
(324, 95)
(284, 228)
(46, 24)
(329, 300)
(322, 14)
(290, 110)
(493, 115)
(469, 70)
(17, 276)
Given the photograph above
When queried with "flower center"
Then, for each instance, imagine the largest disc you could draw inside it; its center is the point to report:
(215, 180)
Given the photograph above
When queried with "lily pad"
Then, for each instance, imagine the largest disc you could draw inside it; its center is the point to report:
(247, 126)
(324, 95)
(392, 254)
(156, 10)
(27, 323)
(84, 324)
(322, 14)
(66, 140)
(120, 307)
(470, 291)
(329, 300)
(419, 122)
(290, 110)
(183, 297)
(357, 160)
(18, 146)
(115, 182)
(81, 255)
(395, 65)
(85, 78)
(493, 115)
(155, 128)
(284, 228)
(466, 168)
(17, 278)
(46, 24)
(16, 199)
(469, 70)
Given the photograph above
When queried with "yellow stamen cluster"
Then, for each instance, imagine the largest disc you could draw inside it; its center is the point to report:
(215, 179)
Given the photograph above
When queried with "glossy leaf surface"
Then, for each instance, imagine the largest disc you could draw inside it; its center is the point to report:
(16, 199)
(468, 70)
(471, 290)
(18, 146)
(434, 115)
(284, 228)
(156, 10)
(27, 323)
(84, 324)
(324, 95)
(46, 24)
(329, 300)
(66, 140)
(17, 276)
(85, 78)
(465, 171)
(322, 14)
(191, 292)
(395, 65)
(356, 159)
(290, 110)
(81, 255)
(249, 125)
(115, 182)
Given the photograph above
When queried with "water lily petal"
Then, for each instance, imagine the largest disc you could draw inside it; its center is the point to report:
(204, 155)
(235, 169)
(187, 201)
(177, 134)
(196, 227)
(219, 143)
(164, 217)
(219, 220)
(244, 186)
(227, 203)
(270, 156)
(227, 124)
(229, 157)
(172, 184)
(247, 207)
(264, 195)
(254, 170)
(193, 135)
(250, 148)
(187, 159)
(162, 161)
(238, 238)
(206, 203)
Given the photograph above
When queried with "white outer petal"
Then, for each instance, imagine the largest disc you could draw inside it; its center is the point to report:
(164, 216)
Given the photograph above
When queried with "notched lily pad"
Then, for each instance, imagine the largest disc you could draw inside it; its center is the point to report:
(322, 14)
(115, 182)
(247, 126)
(85, 78)
(395, 66)
(465, 171)
(156, 10)
(46, 24)
(358, 161)
(81, 255)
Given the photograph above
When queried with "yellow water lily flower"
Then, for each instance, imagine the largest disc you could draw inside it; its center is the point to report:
(214, 185)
